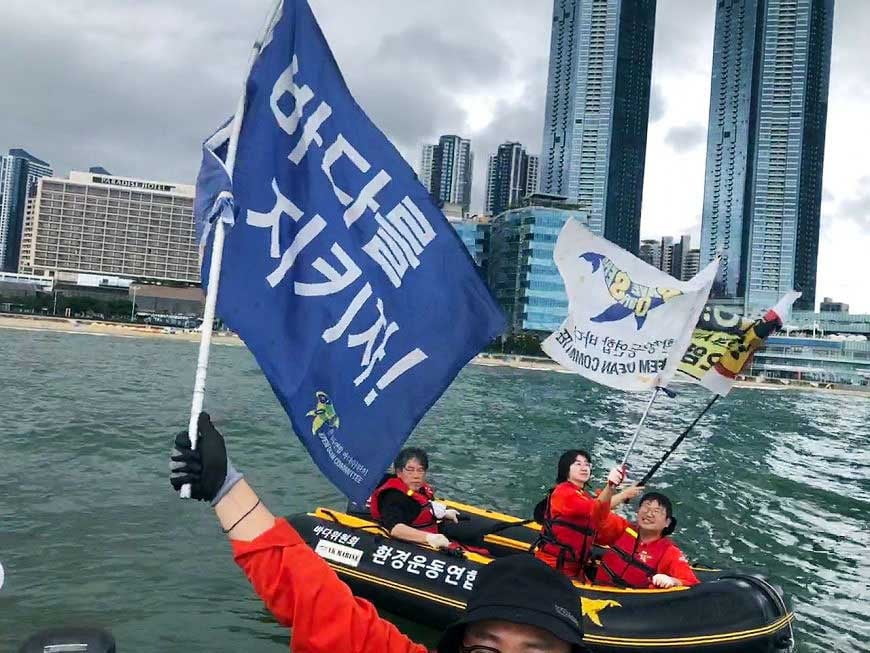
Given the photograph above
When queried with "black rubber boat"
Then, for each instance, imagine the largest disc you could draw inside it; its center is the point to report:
(728, 611)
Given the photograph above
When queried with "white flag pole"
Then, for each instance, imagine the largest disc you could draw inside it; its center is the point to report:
(218, 248)
(640, 424)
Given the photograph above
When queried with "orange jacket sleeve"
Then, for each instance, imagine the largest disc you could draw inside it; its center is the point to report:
(674, 563)
(611, 528)
(304, 593)
(567, 502)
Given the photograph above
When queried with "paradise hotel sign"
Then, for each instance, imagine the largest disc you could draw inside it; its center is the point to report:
(132, 183)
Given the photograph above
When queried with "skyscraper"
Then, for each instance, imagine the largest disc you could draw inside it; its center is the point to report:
(19, 172)
(597, 109)
(426, 160)
(446, 169)
(765, 148)
(512, 174)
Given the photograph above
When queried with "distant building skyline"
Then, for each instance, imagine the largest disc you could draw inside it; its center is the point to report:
(19, 172)
(597, 111)
(765, 148)
(678, 259)
(512, 174)
(446, 170)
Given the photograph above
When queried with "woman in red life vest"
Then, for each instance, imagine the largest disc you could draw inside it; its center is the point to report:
(405, 505)
(642, 555)
(570, 516)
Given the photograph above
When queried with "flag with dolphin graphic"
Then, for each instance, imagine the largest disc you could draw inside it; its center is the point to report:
(628, 323)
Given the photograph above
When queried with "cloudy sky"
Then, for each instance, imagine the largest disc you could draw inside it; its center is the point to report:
(136, 85)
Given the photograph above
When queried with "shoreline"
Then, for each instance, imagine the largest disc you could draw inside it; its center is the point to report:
(76, 326)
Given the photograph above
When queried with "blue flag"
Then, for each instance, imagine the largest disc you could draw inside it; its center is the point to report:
(352, 290)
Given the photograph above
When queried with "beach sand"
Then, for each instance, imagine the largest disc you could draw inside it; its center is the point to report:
(121, 330)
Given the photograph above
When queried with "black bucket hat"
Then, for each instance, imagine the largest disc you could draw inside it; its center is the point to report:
(523, 590)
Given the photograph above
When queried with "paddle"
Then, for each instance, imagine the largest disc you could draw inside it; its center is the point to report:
(677, 442)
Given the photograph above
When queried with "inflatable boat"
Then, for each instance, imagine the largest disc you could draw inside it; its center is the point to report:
(729, 611)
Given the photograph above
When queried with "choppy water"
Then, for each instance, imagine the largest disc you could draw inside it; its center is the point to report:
(90, 531)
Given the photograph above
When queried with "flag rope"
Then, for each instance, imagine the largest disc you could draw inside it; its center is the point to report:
(218, 248)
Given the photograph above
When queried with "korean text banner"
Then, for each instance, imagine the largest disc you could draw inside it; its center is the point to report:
(346, 282)
(723, 344)
(628, 323)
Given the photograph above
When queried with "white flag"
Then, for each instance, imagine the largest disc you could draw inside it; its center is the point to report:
(628, 323)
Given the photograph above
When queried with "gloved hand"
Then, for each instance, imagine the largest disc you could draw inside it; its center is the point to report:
(617, 475)
(437, 541)
(665, 581)
(441, 511)
(208, 470)
(452, 515)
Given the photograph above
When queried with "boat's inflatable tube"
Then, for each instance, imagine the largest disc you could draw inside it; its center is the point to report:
(729, 611)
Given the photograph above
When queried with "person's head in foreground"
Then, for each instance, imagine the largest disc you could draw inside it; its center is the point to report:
(519, 605)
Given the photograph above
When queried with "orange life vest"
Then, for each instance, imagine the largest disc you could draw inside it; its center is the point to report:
(626, 566)
(570, 542)
(425, 520)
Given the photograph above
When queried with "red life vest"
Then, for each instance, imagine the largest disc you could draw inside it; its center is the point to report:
(629, 562)
(425, 520)
(570, 542)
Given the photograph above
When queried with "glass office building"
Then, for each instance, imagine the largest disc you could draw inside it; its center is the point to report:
(475, 236)
(522, 275)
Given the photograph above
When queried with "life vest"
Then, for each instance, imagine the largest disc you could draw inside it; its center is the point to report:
(624, 566)
(425, 520)
(570, 542)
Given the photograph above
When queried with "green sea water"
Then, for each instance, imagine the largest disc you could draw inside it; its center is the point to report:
(90, 531)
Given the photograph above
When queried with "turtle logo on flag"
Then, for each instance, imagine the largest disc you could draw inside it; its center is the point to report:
(323, 415)
(630, 298)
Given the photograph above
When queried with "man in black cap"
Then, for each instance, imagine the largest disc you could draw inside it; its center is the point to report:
(518, 605)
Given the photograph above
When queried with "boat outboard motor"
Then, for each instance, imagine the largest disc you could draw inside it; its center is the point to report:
(72, 639)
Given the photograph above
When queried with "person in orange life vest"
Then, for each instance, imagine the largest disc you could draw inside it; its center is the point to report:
(404, 504)
(570, 516)
(517, 605)
(641, 554)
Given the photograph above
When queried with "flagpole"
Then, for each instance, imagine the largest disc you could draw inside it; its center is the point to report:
(642, 420)
(677, 442)
(217, 249)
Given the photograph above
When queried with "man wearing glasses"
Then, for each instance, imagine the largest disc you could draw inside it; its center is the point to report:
(404, 504)
(642, 555)
(518, 604)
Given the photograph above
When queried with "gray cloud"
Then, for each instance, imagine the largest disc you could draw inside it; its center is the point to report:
(686, 137)
(684, 28)
(657, 103)
(857, 207)
(137, 86)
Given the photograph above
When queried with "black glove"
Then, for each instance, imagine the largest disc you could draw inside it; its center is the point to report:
(208, 470)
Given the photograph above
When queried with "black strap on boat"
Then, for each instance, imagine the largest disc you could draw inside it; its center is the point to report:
(630, 561)
(566, 552)
(615, 578)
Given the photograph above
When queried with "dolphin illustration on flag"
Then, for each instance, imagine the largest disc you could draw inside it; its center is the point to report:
(628, 323)
(630, 297)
